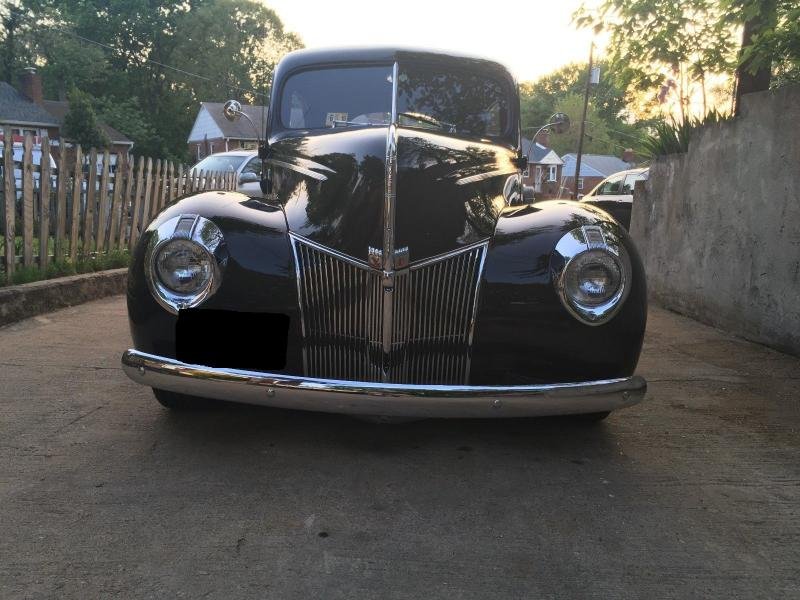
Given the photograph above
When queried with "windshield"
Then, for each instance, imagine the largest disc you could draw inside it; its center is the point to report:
(339, 97)
(460, 102)
(219, 163)
(457, 101)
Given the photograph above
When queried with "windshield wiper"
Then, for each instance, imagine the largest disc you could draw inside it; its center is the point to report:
(367, 124)
(444, 125)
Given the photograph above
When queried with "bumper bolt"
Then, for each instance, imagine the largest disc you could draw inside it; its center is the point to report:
(497, 404)
(141, 371)
(270, 392)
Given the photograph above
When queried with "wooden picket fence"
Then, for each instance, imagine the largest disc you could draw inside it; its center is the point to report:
(91, 204)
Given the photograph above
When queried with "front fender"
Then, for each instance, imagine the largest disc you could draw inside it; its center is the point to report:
(523, 333)
(258, 276)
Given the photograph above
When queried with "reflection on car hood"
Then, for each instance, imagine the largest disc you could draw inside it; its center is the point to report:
(332, 185)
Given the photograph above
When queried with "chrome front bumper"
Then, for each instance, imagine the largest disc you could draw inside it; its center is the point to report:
(389, 399)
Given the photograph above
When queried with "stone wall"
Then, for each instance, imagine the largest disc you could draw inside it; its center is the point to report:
(719, 227)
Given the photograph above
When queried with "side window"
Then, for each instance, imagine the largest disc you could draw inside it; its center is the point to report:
(611, 186)
(254, 166)
(630, 182)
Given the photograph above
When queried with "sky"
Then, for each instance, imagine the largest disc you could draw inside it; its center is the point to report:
(530, 37)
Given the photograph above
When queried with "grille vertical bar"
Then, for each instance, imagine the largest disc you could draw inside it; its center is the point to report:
(342, 308)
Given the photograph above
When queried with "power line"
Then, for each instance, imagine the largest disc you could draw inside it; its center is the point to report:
(155, 62)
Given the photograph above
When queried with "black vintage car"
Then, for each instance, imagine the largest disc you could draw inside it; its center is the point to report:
(390, 267)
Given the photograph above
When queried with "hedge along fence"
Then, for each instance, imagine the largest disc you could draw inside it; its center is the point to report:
(89, 205)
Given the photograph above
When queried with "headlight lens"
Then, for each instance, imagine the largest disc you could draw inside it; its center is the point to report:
(592, 278)
(591, 272)
(185, 259)
(183, 267)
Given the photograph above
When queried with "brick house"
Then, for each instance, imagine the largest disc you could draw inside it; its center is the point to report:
(594, 168)
(544, 167)
(27, 112)
(212, 132)
(23, 115)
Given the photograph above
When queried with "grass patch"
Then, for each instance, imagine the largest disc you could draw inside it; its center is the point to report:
(115, 259)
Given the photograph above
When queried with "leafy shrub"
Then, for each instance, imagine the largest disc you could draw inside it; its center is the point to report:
(672, 137)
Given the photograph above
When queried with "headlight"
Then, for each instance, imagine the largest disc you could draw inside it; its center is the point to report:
(592, 277)
(183, 266)
(184, 261)
(591, 273)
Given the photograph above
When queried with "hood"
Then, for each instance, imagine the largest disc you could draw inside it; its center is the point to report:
(449, 192)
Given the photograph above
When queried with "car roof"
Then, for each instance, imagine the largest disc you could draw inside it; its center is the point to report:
(636, 171)
(307, 57)
(234, 153)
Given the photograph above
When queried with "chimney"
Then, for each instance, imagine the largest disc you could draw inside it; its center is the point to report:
(544, 138)
(628, 156)
(31, 84)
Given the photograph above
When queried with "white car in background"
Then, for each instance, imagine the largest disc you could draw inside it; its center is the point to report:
(36, 159)
(245, 163)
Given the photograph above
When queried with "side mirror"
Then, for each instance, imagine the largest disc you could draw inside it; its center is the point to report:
(248, 177)
(232, 110)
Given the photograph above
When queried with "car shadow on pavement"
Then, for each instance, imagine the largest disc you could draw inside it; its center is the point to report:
(236, 428)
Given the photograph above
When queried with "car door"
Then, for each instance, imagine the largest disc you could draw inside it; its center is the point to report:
(610, 196)
(250, 178)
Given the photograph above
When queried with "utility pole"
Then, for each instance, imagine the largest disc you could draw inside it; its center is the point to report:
(583, 122)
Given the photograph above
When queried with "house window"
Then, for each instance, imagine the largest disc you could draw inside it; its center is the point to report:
(580, 183)
(553, 173)
(22, 132)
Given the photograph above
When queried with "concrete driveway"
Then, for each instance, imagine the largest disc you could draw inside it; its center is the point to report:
(103, 493)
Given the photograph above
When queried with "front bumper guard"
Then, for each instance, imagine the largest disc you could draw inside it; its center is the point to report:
(384, 399)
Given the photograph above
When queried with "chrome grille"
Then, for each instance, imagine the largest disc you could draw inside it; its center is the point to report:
(341, 305)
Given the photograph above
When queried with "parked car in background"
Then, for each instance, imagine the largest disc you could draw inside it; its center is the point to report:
(245, 163)
(36, 159)
(389, 269)
(615, 194)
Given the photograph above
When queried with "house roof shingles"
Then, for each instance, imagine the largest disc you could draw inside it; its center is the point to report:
(536, 152)
(594, 165)
(240, 129)
(59, 109)
(18, 109)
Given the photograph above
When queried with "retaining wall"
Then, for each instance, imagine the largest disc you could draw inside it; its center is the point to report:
(719, 226)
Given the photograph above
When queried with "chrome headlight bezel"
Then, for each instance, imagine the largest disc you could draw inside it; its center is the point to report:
(207, 237)
(573, 247)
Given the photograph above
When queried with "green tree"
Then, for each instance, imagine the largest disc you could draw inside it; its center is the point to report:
(770, 49)
(597, 139)
(129, 119)
(610, 127)
(13, 51)
(80, 122)
(69, 63)
(663, 47)
(540, 97)
(167, 55)
(663, 42)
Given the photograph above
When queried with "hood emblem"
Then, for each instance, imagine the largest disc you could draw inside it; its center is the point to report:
(375, 258)
(401, 258)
